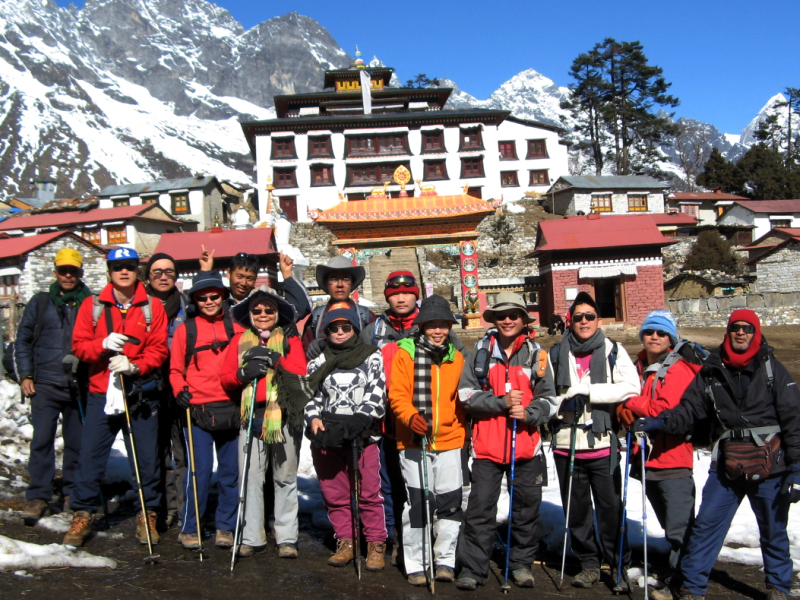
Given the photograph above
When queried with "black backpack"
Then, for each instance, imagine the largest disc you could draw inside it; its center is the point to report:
(191, 337)
(9, 362)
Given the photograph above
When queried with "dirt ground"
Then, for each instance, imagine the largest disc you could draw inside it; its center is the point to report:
(179, 574)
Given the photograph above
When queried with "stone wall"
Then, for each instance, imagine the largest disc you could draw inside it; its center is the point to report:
(773, 308)
(780, 271)
(675, 255)
(314, 241)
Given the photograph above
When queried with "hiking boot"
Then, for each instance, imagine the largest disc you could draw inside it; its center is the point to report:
(522, 577)
(468, 584)
(141, 532)
(586, 578)
(624, 583)
(776, 594)
(190, 541)
(224, 539)
(343, 555)
(287, 551)
(395, 542)
(80, 529)
(375, 556)
(245, 551)
(34, 509)
(445, 574)
(417, 579)
(685, 594)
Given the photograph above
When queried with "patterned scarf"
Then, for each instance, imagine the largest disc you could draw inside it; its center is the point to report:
(426, 355)
(272, 429)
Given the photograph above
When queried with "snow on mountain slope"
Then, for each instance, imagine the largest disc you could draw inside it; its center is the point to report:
(770, 108)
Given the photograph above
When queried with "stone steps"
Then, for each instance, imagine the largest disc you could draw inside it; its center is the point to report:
(400, 259)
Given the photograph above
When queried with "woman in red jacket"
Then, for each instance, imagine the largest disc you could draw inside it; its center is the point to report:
(195, 379)
(250, 366)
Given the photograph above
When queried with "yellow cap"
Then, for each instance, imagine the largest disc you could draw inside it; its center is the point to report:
(68, 256)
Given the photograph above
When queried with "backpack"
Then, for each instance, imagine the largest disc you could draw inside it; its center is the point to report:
(483, 356)
(9, 353)
(691, 352)
(98, 308)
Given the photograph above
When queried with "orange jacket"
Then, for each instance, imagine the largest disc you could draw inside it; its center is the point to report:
(448, 418)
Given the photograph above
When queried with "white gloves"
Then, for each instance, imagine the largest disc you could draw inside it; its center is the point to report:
(115, 342)
(120, 365)
(574, 390)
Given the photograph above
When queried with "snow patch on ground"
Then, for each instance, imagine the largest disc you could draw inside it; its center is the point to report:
(15, 555)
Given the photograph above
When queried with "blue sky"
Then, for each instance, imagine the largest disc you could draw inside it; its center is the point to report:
(725, 59)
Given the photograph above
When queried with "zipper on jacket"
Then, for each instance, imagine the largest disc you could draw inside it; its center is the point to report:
(436, 417)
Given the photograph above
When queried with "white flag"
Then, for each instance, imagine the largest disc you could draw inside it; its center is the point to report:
(365, 94)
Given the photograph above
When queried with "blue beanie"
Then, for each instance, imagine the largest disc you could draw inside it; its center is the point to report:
(661, 320)
(345, 310)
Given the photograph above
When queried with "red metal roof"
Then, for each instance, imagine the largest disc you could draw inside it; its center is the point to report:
(593, 231)
(71, 217)
(225, 243)
(671, 219)
(16, 246)
(699, 196)
(412, 207)
(771, 206)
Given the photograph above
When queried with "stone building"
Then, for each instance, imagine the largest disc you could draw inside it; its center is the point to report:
(705, 206)
(761, 216)
(616, 259)
(607, 195)
(775, 261)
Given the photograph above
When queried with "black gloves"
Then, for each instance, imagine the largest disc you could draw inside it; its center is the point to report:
(575, 404)
(316, 348)
(355, 425)
(261, 353)
(648, 425)
(252, 370)
(792, 484)
(290, 330)
(332, 437)
(183, 398)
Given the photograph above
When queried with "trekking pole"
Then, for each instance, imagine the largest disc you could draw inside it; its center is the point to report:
(243, 487)
(623, 524)
(193, 475)
(643, 446)
(356, 511)
(573, 435)
(428, 525)
(506, 587)
(151, 558)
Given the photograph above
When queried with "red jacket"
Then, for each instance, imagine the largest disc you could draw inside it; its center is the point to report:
(87, 339)
(668, 451)
(294, 362)
(204, 370)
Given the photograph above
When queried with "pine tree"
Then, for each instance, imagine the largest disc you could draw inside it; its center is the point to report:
(421, 81)
(765, 175)
(793, 106)
(769, 131)
(711, 251)
(721, 174)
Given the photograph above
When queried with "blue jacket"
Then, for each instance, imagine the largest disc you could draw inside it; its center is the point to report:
(43, 361)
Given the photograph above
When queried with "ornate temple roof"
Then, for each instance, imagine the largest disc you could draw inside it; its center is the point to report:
(417, 207)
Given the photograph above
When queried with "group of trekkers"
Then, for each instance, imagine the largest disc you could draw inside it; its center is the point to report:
(401, 420)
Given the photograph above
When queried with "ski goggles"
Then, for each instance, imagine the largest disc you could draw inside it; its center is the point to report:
(400, 281)
(736, 327)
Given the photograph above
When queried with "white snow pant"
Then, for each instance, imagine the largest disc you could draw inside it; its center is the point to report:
(444, 493)
(284, 458)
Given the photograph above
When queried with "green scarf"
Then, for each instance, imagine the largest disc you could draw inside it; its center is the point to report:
(272, 428)
(75, 296)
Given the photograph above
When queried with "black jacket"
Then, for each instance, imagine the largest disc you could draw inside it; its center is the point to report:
(743, 400)
(43, 361)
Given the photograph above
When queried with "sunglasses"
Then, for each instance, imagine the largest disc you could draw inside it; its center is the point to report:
(658, 332)
(247, 256)
(581, 316)
(159, 273)
(207, 298)
(65, 271)
(736, 327)
(266, 311)
(511, 316)
(400, 281)
(345, 327)
(117, 267)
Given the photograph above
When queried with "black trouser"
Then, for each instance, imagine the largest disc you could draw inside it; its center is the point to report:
(673, 502)
(480, 525)
(47, 404)
(172, 457)
(592, 480)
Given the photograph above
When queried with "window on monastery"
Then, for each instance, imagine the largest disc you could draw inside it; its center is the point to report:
(319, 146)
(284, 178)
(117, 234)
(371, 174)
(149, 199)
(9, 285)
(637, 202)
(396, 143)
(601, 203)
(432, 141)
(780, 223)
(537, 149)
(180, 203)
(435, 169)
(508, 150)
(283, 148)
(508, 179)
(472, 167)
(321, 175)
(539, 177)
(471, 139)
(121, 202)
(91, 235)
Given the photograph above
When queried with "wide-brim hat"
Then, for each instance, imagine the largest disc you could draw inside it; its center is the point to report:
(508, 301)
(434, 308)
(287, 314)
(340, 263)
(206, 280)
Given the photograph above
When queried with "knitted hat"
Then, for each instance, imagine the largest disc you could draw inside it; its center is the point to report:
(583, 298)
(339, 311)
(660, 320)
(207, 280)
(69, 257)
(156, 257)
(508, 301)
(434, 308)
(401, 282)
(340, 263)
